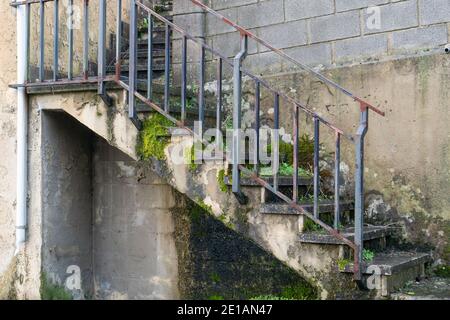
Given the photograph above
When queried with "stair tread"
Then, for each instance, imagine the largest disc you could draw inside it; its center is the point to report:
(282, 181)
(324, 207)
(392, 262)
(370, 233)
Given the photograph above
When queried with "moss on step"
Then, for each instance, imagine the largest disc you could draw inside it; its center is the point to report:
(221, 181)
(50, 291)
(153, 137)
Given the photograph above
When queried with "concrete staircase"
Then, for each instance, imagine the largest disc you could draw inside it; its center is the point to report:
(277, 226)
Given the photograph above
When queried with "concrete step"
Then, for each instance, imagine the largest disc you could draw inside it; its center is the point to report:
(370, 233)
(394, 269)
(282, 181)
(285, 209)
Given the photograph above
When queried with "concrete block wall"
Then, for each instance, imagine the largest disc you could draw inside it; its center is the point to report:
(327, 32)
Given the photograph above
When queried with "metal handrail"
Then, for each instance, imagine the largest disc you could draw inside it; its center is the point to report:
(239, 71)
(281, 53)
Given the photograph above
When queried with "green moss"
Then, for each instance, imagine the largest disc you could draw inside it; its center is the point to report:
(343, 263)
(221, 181)
(368, 255)
(153, 137)
(268, 298)
(189, 156)
(311, 226)
(215, 277)
(299, 292)
(216, 298)
(442, 271)
(51, 291)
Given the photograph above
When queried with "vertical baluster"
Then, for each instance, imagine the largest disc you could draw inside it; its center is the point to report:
(27, 30)
(257, 123)
(41, 40)
(70, 41)
(132, 60)
(219, 110)
(55, 40)
(102, 47)
(167, 71)
(276, 146)
(237, 104)
(85, 39)
(183, 79)
(119, 40)
(150, 58)
(201, 91)
(316, 166)
(337, 195)
(296, 149)
(359, 189)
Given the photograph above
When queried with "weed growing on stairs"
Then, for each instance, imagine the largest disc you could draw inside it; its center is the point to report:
(221, 181)
(342, 264)
(154, 137)
(368, 255)
(50, 291)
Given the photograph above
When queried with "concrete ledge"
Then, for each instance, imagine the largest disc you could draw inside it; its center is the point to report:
(285, 209)
(370, 233)
(393, 262)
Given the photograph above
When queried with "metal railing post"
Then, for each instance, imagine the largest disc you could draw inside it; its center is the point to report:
(102, 47)
(237, 94)
(132, 60)
(55, 40)
(359, 190)
(85, 39)
(119, 40)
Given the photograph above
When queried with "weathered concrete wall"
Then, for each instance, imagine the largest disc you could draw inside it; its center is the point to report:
(7, 143)
(67, 201)
(134, 244)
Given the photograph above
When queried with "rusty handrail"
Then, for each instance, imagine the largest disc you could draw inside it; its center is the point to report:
(281, 53)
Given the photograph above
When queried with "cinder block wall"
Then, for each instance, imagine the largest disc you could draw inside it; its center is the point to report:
(327, 32)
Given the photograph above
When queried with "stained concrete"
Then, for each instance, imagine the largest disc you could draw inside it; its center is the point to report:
(67, 200)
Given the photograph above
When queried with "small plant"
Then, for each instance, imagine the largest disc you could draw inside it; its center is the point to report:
(50, 291)
(214, 277)
(153, 137)
(311, 226)
(442, 271)
(216, 298)
(342, 264)
(268, 298)
(221, 181)
(368, 255)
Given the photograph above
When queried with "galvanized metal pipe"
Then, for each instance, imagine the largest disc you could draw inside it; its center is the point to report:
(237, 103)
(41, 41)
(55, 40)
(23, 13)
(257, 124)
(167, 70)
(201, 90)
(183, 80)
(85, 39)
(132, 60)
(219, 106)
(276, 142)
(102, 46)
(70, 41)
(316, 166)
(150, 57)
(337, 177)
(296, 150)
(359, 189)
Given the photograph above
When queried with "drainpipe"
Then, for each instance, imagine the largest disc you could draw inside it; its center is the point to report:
(22, 120)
